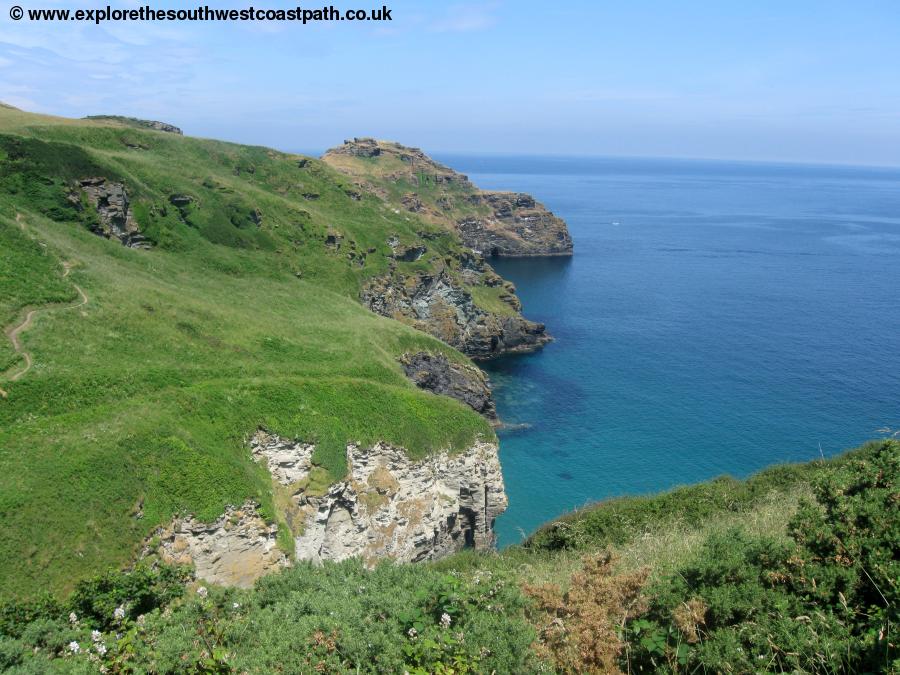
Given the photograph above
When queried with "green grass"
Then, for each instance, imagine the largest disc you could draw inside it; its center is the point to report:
(149, 392)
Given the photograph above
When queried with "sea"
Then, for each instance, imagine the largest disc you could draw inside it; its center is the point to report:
(716, 318)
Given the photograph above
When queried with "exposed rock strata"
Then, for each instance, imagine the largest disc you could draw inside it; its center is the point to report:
(437, 304)
(491, 223)
(390, 506)
(466, 384)
(234, 550)
(517, 226)
(116, 220)
(288, 462)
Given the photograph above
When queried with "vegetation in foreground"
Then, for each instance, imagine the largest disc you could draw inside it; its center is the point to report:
(794, 570)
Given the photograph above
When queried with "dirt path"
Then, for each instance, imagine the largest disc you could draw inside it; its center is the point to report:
(14, 331)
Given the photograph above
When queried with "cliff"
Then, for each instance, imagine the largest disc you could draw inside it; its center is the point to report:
(387, 507)
(490, 223)
(459, 299)
(444, 306)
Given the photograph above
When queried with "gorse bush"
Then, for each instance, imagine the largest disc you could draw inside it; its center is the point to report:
(338, 618)
(824, 601)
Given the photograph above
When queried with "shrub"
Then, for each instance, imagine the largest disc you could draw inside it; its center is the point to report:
(137, 592)
(580, 628)
(825, 601)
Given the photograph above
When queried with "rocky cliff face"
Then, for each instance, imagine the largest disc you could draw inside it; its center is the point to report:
(516, 226)
(116, 220)
(438, 304)
(466, 384)
(491, 223)
(234, 550)
(390, 506)
(462, 301)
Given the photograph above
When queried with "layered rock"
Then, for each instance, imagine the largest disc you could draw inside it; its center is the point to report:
(439, 375)
(115, 218)
(439, 305)
(390, 506)
(234, 550)
(491, 223)
(517, 226)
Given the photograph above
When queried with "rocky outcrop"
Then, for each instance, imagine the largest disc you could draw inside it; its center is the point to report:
(234, 550)
(491, 223)
(115, 218)
(392, 507)
(135, 122)
(466, 384)
(439, 305)
(361, 147)
(287, 462)
(517, 226)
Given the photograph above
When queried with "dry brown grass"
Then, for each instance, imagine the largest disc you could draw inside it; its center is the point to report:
(580, 628)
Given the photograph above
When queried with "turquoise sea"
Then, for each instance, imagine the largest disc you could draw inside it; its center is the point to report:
(716, 318)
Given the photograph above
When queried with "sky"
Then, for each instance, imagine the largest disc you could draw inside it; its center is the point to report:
(763, 80)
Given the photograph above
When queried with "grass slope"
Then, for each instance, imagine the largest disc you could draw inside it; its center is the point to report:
(141, 401)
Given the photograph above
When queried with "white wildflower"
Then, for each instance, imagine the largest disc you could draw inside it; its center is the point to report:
(202, 592)
(96, 635)
(445, 620)
(73, 617)
(235, 605)
(119, 613)
(412, 632)
(141, 619)
(74, 647)
(101, 648)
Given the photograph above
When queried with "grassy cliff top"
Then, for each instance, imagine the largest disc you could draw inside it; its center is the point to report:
(139, 401)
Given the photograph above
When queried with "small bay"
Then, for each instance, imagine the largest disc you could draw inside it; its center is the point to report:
(716, 318)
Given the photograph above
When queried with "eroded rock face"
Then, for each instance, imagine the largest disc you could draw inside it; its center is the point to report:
(466, 384)
(436, 304)
(235, 550)
(114, 211)
(390, 506)
(519, 226)
(491, 223)
(288, 462)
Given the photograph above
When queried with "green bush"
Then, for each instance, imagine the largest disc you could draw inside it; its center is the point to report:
(825, 602)
(137, 592)
(337, 618)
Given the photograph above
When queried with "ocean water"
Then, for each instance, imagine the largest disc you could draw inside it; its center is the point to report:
(716, 318)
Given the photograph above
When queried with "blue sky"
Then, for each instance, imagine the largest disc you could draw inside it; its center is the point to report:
(796, 81)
